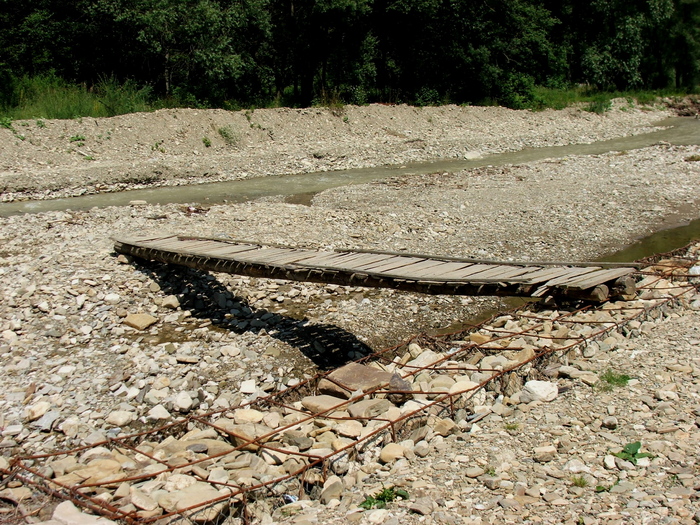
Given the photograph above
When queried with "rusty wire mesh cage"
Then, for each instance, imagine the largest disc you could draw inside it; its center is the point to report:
(214, 467)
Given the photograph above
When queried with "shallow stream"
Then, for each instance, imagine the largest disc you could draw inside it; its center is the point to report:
(301, 188)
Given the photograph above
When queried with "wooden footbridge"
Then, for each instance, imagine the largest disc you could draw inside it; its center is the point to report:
(401, 271)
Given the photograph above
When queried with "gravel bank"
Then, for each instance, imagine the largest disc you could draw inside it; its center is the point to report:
(65, 297)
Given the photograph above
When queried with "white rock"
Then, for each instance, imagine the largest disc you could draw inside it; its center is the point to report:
(158, 412)
(37, 410)
(141, 500)
(539, 391)
(247, 415)
(609, 462)
(66, 370)
(112, 298)
(377, 516)
(9, 335)
(183, 402)
(67, 513)
(119, 418)
(248, 386)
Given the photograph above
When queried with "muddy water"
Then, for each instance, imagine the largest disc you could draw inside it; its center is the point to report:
(301, 188)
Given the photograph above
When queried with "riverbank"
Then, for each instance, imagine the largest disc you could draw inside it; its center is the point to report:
(65, 297)
(60, 158)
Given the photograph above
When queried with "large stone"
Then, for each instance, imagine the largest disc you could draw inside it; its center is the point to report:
(351, 378)
(158, 412)
(37, 410)
(349, 428)
(332, 489)
(195, 496)
(214, 447)
(318, 404)
(119, 418)
(425, 359)
(141, 500)
(183, 402)
(67, 513)
(140, 321)
(369, 408)
(544, 454)
(444, 427)
(539, 391)
(247, 434)
(391, 452)
(478, 338)
(171, 302)
(247, 415)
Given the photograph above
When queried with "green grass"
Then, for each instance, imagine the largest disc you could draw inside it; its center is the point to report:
(597, 101)
(613, 379)
(230, 137)
(380, 499)
(579, 481)
(48, 97)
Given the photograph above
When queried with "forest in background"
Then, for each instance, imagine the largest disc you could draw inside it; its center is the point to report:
(243, 53)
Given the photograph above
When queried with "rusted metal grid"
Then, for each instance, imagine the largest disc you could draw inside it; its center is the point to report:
(313, 468)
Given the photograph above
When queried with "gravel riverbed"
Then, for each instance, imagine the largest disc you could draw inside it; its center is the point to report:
(67, 352)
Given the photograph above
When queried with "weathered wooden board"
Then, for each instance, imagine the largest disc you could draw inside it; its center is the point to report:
(411, 272)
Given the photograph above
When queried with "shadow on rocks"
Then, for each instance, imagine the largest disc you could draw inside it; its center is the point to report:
(198, 291)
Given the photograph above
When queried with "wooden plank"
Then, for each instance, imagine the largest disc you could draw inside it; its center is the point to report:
(503, 273)
(570, 274)
(330, 258)
(290, 257)
(368, 259)
(417, 269)
(167, 244)
(469, 271)
(492, 272)
(140, 239)
(582, 264)
(177, 246)
(392, 264)
(229, 250)
(232, 251)
(542, 275)
(259, 256)
(600, 277)
(449, 268)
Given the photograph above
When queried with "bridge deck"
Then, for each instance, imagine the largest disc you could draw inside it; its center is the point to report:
(410, 272)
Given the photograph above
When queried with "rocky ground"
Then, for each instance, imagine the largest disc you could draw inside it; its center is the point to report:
(75, 372)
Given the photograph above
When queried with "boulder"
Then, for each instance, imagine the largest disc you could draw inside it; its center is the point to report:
(351, 378)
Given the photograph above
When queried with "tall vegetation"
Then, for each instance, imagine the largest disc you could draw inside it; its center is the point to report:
(299, 52)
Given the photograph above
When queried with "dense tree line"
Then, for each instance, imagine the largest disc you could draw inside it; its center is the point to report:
(218, 52)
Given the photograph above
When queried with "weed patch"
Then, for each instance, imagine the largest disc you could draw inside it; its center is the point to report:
(228, 135)
(579, 481)
(631, 453)
(611, 379)
(380, 499)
